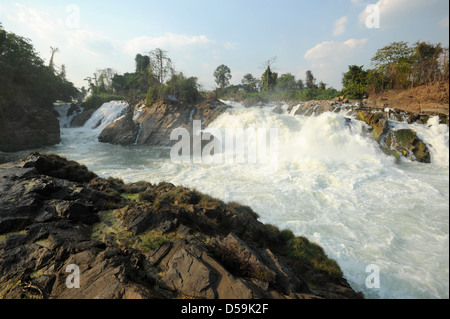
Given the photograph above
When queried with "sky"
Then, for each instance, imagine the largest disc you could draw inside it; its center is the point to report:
(324, 36)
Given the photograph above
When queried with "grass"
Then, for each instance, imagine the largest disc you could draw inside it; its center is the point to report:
(110, 229)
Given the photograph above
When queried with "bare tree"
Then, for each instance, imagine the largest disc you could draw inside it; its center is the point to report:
(160, 66)
(51, 63)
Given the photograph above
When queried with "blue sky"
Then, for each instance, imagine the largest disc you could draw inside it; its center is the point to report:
(324, 36)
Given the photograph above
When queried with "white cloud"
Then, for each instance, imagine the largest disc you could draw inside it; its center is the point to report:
(333, 50)
(169, 40)
(395, 12)
(339, 26)
(330, 58)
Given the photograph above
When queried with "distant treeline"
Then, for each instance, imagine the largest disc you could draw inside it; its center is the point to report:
(398, 66)
(395, 66)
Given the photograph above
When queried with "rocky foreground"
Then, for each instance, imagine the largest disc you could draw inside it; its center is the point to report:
(144, 241)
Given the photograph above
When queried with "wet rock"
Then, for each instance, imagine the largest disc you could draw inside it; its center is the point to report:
(377, 121)
(82, 118)
(409, 145)
(156, 123)
(121, 132)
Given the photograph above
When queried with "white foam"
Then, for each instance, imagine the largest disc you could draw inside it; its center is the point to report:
(106, 114)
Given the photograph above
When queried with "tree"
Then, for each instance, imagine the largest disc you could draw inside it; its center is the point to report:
(160, 67)
(249, 83)
(393, 63)
(425, 58)
(142, 63)
(184, 89)
(286, 82)
(22, 71)
(269, 78)
(310, 81)
(354, 82)
(51, 64)
(223, 76)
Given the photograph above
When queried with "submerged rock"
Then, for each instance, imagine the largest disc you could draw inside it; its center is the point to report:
(144, 241)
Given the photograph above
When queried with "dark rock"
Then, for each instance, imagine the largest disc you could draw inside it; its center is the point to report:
(82, 118)
(121, 132)
(409, 145)
(56, 166)
(140, 218)
(377, 121)
(26, 125)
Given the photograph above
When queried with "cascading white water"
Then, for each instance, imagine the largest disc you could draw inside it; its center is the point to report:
(106, 114)
(63, 109)
(332, 184)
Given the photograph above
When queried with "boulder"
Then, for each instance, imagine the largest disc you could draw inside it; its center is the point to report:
(121, 132)
(81, 118)
(377, 121)
(409, 145)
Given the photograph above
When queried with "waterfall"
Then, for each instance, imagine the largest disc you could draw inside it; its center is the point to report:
(63, 109)
(106, 114)
(191, 115)
(295, 109)
(139, 134)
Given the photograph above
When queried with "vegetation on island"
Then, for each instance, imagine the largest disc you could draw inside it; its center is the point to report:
(154, 79)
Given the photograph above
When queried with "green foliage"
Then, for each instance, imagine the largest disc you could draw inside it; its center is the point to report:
(222, 75)
(269, 80)
(152, 96)
(184, 89)
(286, 82)
(399, 66)
(250, 83)
(310, 81)
(355, 82)
(22, 71)
(307, 254)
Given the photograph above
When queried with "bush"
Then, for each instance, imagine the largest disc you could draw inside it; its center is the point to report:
(152, 96)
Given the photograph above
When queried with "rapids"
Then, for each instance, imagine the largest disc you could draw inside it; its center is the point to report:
(330, 183)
